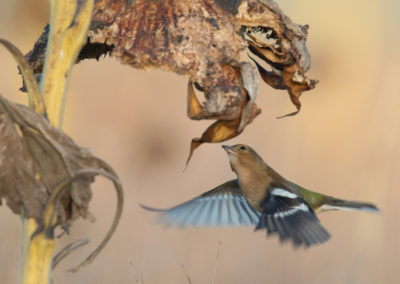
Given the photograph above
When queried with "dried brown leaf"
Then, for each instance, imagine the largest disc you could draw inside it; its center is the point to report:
(42, 170)
(220, 131)
(296, 84)
(35, 97)
(272, 78)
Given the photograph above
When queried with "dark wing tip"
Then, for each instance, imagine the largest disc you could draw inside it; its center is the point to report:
(152, 209)
(301, 230)
(310, 237)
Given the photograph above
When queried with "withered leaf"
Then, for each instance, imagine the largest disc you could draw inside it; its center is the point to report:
(35, 98)
(42, 166)
(296, 84)
(223, 130)
(273, 79)
(250, 84)
(194, 107)
(280, 43)
(220, 131)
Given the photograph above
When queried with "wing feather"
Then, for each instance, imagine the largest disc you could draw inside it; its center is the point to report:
(224, 205)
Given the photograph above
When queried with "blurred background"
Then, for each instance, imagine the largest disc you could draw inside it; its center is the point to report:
(345, 142)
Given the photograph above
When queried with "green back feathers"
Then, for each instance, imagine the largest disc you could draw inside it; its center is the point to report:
(314, 199)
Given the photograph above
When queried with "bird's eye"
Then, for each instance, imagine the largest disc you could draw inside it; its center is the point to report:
(243, 148)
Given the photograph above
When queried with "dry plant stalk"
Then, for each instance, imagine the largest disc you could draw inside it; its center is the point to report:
(209, 41)
(44, 176)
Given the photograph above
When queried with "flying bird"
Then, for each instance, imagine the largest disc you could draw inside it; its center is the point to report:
(262, 198)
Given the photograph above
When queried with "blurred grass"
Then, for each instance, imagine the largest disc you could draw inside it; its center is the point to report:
(345, 142)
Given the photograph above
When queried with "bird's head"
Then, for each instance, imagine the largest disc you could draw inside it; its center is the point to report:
(243, 158)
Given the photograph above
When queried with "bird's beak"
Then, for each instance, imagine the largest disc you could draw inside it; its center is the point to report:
(229, 150)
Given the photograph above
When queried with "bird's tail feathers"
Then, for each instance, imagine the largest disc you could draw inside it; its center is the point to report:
(340, 204)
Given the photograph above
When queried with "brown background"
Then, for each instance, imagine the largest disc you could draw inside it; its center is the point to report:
(345, 142)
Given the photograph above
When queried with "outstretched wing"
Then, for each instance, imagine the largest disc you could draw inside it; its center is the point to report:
(224, 205)
(288, 215)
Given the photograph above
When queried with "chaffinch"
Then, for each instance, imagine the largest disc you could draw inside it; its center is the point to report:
(262, 198)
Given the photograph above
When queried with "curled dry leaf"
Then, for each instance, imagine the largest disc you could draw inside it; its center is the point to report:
(207, 40)
(220, 131)
(281, 44)
(35, 98)
(42, 170)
